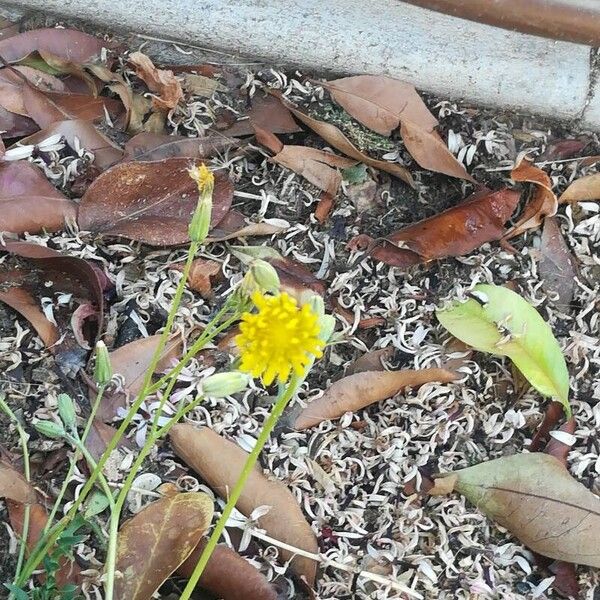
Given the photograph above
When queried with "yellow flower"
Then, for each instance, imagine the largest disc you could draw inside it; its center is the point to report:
(203, 176)
(278, 339)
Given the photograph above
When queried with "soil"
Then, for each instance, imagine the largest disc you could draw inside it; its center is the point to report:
(351, 474)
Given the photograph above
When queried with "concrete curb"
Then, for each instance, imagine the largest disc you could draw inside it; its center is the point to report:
(450, 57)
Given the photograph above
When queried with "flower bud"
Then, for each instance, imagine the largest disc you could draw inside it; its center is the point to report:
(225, 384)
(49, 429)
(200, 224)
(327, 325)
(66, 410)
(265, 276)
(103, 368)
(317, 304)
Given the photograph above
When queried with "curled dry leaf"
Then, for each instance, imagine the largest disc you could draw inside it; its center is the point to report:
(558, 448)
(380, 103)
(371, 361)
(200, 276)
(220, 463)
(80, 134)
(503, 323)
(164, 83)
(151, 202)
(67, 44)
(29, 202)
(316, 166)
(13, 486)
(234, 225)
(584, 188)
(454, 232)
(152, 146)
(131, 361)
(543, 203)
(538, 501)
(199, 85)
(362, 389)
(557, 264)
(157, 540)
(331, 134)
(227, 575)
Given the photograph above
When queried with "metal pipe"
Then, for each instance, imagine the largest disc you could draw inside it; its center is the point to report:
(570, 20)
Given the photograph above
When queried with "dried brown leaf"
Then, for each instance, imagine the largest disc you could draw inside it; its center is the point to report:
(13, 486)
(454, 232)
(151, 202)
(381, 103)
(157, 540)
(559, 449)
(557, 264)
(13, 125)
(331, 134)
(234, 225)
(543, 203)
(151, 146)
(200, 276)
(199, 85)
(362, 389)
(227, 575)
(99, 437)
(106, 153)
(220, 463)
(164, 83)
(370, 361)
(29, 202)
(296, 279)
(584, 188)
(552, 416)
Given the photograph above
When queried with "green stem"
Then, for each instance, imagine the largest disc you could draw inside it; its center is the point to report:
(76, 456)
(280, 404)
(27, 511)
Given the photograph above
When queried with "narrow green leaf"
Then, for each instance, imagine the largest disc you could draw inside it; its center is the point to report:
(503, 323)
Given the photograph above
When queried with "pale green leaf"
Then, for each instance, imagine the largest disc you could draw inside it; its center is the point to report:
(503, 323)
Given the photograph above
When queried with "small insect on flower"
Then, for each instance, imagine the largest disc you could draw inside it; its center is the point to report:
(280, 338)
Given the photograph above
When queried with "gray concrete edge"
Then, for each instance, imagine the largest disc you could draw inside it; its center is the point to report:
(450, 57)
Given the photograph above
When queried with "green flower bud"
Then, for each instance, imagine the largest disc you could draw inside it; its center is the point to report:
(103, 368)
(49, 429)
(317, 304)
(200, 224)
(327, 325)
(66, 410)
(265, 276)
(225, 384)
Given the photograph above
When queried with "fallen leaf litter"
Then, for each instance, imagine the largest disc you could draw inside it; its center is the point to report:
(349, 475)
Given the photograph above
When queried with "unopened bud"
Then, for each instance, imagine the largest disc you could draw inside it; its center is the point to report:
(225, 384)
(49, 429)
(265, 276)
(66, 410)
(317, 304)
(327, 326)
(200, 224)
(103, 368)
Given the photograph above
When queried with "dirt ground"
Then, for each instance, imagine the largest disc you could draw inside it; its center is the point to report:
(349, 476)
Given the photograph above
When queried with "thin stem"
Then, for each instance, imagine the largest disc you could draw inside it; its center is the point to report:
(23, 438)
(76, 456)
(282, 401)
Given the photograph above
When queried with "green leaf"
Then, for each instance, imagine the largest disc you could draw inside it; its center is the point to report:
(536, 499)
(97, 504)
(18, 593)
(503, 323)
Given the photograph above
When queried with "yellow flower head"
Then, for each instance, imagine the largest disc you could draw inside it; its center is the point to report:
(203, 176)
(278, 339)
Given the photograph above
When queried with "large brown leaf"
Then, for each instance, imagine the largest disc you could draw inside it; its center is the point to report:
(380, 103)
(80, 133)
(220, 463)
(362, 389)
(67, 44)
(584, 188)
(29, 202)
(13, 125)
(164, 83)
(227, 575)
(543, 202)
(331, 134)
(157, 540)
(454, 232)
(152, 202)
(536, 499)
(316, 166)
(152, 146)
(14, 486)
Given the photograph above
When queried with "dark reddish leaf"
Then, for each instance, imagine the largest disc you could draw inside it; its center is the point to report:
(565, 581)
(99, 437)
(152, 146)
(13, 486)
(454, 232)
(552, 416)
(67, 44)
(29, 202)
(13, 125)
(295, 278)
(370, 361)
(7, 28)
(106, 153)
(152, 202)
(228, 575)
(557, 448)
(201, 274)
(561, 149)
